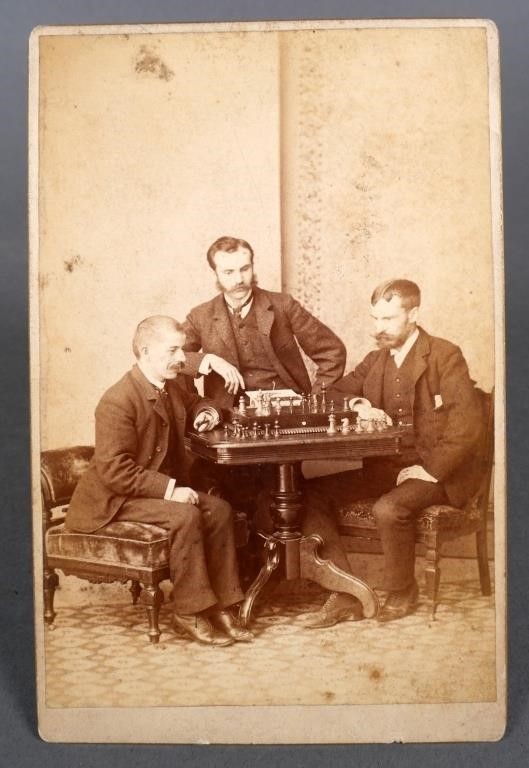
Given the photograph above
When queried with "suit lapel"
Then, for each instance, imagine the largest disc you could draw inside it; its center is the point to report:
(264, 311)
(223, 330)
(374, 380)
(420, 364)
(148, 390)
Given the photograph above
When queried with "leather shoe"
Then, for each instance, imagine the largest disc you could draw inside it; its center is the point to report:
(200, 628)
(224, 621)
(340, 606)
(399, 604)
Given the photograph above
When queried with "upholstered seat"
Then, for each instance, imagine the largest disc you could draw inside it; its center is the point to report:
(438, 516)
(135, 544)
(120, 551)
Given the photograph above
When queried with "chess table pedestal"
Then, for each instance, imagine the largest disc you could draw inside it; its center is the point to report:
(297, 555)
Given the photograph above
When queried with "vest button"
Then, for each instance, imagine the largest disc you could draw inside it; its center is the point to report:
(398, 394)
(400, 411)
(158, 449)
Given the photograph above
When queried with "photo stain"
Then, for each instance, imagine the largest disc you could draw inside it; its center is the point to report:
(149, 63)
(329, 695)
(375, 674)
(70, 264)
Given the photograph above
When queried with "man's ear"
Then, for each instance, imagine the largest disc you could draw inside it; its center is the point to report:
(413, 315)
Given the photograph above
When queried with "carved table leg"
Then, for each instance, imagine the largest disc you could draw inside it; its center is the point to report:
(152, 598)
(50, 582)
(298, 555)
(272, 561)
(328, 575)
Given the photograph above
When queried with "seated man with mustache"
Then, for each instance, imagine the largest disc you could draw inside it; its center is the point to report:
(138, 473)
(412, 379)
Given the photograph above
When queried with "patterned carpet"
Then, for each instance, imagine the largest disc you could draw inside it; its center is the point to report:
(98, 654)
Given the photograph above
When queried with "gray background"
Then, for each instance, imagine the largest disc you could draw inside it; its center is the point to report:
(21, 745)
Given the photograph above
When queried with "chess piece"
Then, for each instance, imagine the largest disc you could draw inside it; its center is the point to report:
(242, 405)
(277, 405)
(346, 426)
(331, 429)
(259, 404)
(255, 430)
(323, 397)
(267, 430)
(314, 408)
(277, 431)
(370, 425)
(346, 404)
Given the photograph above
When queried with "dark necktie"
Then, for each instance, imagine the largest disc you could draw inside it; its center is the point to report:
(237, 310)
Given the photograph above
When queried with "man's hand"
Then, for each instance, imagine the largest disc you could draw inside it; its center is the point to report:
(231, 375)
(414, 473)
(206, 420)
(368, 412)
(184, 495)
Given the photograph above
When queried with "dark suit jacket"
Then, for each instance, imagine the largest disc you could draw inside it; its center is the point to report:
(131, 443)
(281, 320)
(446, 436)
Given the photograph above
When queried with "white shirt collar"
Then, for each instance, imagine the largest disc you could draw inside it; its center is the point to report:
(244, 310)
(399, 355)
(155, 382)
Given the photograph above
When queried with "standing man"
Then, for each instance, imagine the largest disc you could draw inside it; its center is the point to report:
(247, 338)
(420, 380)
(138, 474)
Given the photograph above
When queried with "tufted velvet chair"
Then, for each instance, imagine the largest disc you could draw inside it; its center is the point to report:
(436, 524)
(120, 551)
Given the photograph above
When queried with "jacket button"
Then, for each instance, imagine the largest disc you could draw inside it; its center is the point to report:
(158, 449)
(400, 411)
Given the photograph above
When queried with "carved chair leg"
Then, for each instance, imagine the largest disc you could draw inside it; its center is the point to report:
(135, 591)
(432, 572)
(152, 598)
(483, 561)
(50, 583)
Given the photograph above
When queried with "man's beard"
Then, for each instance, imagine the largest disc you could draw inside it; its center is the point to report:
(254, 282)
(389, 341)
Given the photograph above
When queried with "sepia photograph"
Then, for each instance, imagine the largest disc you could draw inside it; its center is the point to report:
(268, 382)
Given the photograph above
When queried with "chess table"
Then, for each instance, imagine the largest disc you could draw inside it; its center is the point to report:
(285, 448)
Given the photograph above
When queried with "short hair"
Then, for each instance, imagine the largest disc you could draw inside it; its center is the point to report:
(228, 244)
(150, 328)
(408, 292)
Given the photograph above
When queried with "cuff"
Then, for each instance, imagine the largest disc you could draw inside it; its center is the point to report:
(359, 401)
(205, 366)
(169, 491)
(212, 412)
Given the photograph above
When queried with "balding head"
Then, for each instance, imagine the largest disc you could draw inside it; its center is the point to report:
(157, 345)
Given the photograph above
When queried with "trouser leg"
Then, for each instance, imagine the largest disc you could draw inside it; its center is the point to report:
(196, 536)
(395, 513)
(219, 547)
(322, 495)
